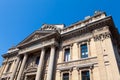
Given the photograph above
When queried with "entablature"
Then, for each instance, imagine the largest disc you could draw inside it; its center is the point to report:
(6, 55)
(80, 24)
(89, 28)
(38, 46)
(38, 37)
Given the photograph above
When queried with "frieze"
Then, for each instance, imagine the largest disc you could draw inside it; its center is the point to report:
(102, 36)
(38, 45)
(77, 39)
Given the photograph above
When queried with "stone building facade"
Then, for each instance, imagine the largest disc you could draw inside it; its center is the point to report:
(85, 50)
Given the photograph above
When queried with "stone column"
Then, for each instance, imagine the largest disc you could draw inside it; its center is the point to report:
(15, 68)
(7, 64)
(25, 77)
(40, 66)
(22, 66)
(51, 63)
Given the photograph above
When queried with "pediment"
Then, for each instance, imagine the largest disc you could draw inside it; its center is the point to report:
(35, 36)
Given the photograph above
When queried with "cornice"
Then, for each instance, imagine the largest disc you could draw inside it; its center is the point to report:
(54, 34)
(88, 28)
(10, 54)
(82, 23)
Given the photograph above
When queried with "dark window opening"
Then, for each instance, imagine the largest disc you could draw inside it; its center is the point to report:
(66, 76)
(37, 60)
(85, 75)
(84, 51)
(67, 55)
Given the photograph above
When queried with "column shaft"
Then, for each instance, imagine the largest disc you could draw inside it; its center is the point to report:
(15, 68)
(51, 63)
(40, 66)
(6, 67)
(22, 66)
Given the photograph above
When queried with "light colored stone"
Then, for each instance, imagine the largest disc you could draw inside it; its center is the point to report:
(97, 31)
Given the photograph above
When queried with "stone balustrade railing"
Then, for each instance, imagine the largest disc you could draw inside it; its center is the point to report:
(83, 23)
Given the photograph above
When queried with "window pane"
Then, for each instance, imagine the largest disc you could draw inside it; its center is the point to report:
(66, 76)
(37, 60)
(84, 51)
(67, 55)
(85, 75)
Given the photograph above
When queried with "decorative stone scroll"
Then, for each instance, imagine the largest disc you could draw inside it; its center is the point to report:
(70, 68)
(102, 36)
(89, 65)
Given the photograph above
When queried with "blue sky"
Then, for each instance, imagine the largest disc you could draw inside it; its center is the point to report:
(19, 18)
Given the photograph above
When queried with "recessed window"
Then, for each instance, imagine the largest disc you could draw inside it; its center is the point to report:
(37, 60)
(84, 51)
(66, 76)
(67, 55)
(85, 75)
(9, 67)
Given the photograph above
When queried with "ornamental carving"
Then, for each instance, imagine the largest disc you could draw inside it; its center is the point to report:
(32, 69)
(36, 37)
(102, 36)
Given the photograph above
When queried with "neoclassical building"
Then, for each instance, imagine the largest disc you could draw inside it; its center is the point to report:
(86, 50)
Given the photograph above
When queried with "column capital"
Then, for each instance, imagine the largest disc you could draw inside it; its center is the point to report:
(25, 54)
(52, 45)
(43, 48)
(18, 55)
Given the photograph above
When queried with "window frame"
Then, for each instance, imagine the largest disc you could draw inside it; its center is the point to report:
(68, 56)
(65, 73)
(79, 48)
(85, 50)
(84, 71)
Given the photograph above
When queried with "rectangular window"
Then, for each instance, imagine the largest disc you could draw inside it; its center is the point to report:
(67, 55)
(37, 60)
(84, 51)
(9, 67)
(85, 75)
(66, 76)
